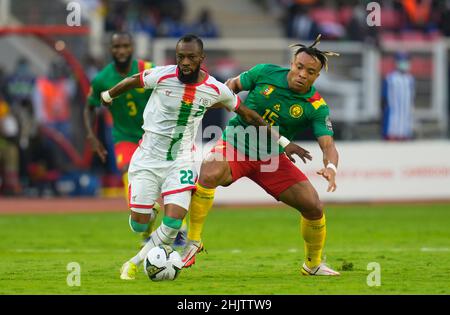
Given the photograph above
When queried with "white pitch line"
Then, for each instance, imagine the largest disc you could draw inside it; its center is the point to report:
(292, 250)
(55, 250)
(45, 250)
(436, 249)
(236, 251)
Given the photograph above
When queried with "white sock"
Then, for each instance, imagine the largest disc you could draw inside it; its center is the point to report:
(162, 235)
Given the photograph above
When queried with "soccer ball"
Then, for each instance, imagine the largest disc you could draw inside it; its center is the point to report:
(162, 263)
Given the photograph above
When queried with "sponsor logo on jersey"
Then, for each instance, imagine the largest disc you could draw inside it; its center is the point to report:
(205, 102)
(277, 107)
(268, 90)
(168, 92)
(296, 111)
(328, 123)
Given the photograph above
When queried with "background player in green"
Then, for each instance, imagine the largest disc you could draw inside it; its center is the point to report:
(128, 109)
(285, 98)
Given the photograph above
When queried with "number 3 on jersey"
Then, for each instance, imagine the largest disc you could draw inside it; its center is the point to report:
(133, 108)
(131, 105)
(187, 177)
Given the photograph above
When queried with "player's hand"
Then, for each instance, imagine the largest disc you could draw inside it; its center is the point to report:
(98, 148)
(330, 175)
(105, 98)
(292, 149)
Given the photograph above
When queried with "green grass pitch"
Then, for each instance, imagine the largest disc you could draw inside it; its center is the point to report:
(250, 251)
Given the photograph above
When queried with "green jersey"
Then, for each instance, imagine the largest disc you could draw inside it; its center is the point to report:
(292, 112)
(127, 109)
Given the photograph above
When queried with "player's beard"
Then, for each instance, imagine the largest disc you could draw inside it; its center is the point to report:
(188, 78)
(122, 65)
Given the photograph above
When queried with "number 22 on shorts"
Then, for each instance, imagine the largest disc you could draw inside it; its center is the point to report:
(187, 177)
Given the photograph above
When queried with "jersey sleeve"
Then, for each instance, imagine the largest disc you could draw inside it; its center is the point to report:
(151, 77)
(321, 122)
(228, 98)
(94, 92)
(249, 78)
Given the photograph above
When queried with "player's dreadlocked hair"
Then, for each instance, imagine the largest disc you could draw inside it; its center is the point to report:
(313, 51)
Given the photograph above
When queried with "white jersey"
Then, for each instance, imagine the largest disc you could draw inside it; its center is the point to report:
(174, 111)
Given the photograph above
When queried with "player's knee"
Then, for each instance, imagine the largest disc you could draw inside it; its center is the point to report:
(137, 226)
(313, 211)
(139, 222)
(210, 176)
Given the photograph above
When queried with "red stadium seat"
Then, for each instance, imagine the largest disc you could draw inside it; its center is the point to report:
(422, 67)
(387, 65)
(390, 19)
(435, 35)
(345, 14)
(388, 36)
(417, 36)
(322, 15)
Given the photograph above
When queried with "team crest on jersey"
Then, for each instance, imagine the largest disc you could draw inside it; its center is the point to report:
(268, 90)
(277, 107)
(296, 111)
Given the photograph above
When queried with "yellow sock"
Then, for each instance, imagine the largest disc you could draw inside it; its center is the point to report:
(125, 184)
(314, 233)
(201, 202)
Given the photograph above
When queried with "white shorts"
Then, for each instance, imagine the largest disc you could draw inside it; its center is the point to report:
(149, 178)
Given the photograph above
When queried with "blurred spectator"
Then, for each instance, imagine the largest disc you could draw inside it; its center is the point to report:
(418, 13)
(300, 25)
(51, 100)
(116, 15)
(444, 19)
(204, 26)
(9, 153)
(3, 85)
(398, 101)
(20, 84)
(357, 28)
(172, 26)
(28, 133)
(91, 66)
(146, 21)
(157, 18)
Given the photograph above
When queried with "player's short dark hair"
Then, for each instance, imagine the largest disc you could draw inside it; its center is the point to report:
(122, 33)
(188, 38)
(311, 50)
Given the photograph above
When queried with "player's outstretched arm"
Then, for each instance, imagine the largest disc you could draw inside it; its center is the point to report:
(89, 119)
(126, 84)
(253, 118)
(234, 84)
(330, 161)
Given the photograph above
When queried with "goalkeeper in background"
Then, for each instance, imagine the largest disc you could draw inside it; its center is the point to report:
(127, 112)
